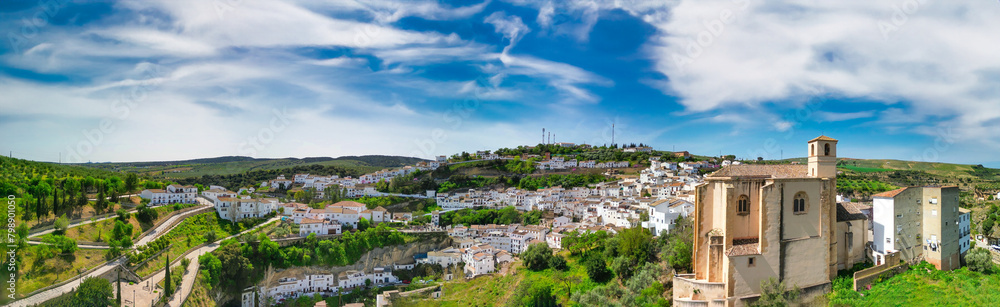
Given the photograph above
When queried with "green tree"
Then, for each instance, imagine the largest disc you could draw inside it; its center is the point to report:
(363, 224)
(211, 266)
(597, 270)
(61, 224)
(979, 260)
(210, 236)
(22, 234)
(536, 258)
(145, 214)
(636, 244)
(776, 294)
(118, 297)
(93, 292)
(167, 287)
(131, 182)
(680, 258)
(237, 267)
(102, 202)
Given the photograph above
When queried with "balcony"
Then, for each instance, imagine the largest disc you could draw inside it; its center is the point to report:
(691, 292)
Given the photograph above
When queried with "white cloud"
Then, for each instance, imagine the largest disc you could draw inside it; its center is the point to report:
(718, 54)
(512, 28)
(836, 117)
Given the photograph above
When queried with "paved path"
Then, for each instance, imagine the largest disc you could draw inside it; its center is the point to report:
(88, 221)
(58, 291)
(77, 224)
(164, 227)
(109, 197)
(145, 296)
(78, 245)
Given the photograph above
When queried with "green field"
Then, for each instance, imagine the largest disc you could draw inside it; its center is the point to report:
(922, 285)
(189, 234)
(36, 273)
(865, 169)
(239, 165)
(501, 290)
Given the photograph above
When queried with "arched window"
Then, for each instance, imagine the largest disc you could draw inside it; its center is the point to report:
(812, 150)
(743, 205)
(799, 203)
(827, 149)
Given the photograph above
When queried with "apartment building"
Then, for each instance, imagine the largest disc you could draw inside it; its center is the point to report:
(173, 194)
(921, 223)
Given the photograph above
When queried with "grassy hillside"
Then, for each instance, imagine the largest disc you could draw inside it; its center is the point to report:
(238, 165)
(922, 285)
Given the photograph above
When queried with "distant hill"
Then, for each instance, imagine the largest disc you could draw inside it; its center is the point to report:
(230, 165)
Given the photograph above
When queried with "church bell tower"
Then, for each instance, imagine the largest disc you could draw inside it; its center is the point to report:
(823, 157)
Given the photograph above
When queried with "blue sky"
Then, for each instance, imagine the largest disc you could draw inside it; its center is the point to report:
(166, 80)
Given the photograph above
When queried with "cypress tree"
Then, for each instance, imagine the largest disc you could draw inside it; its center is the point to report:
(119, 286)
(166, 282)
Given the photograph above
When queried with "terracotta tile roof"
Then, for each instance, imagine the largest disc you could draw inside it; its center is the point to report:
(310, 221)
(824, 138)
(851, 211)
(745, 246)
(890, 194)
(348, 203)
(765, 171)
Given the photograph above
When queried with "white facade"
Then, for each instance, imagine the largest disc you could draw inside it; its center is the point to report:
(964, 230)
(174, 194)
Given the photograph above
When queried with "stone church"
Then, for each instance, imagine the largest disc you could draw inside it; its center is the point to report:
(754, 222)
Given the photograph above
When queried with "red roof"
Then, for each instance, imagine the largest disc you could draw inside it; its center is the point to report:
(890, 194)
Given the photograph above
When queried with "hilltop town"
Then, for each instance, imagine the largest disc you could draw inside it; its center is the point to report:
(727, 229)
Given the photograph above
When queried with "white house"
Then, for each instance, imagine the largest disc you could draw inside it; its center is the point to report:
(480, 264)
(443, 258)
(319, 227)
(554, 240)
(174, 194)
(234, 209)
(663, 213)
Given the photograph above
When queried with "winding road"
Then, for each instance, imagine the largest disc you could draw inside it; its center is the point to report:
(46, 295)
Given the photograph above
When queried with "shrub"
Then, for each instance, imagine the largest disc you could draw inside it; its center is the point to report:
(536, 258)
(61, 224)
(597, 270)
(558, 262)
(146, 214)
(979, 260)
(122, 215)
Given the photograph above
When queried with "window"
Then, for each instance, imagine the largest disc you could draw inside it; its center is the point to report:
(750, 262)
(799, 203)
(743, 205)
(933, 212)
(826, 150)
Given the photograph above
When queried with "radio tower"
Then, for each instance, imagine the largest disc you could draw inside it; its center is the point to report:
(612, 133)
(543, 135)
